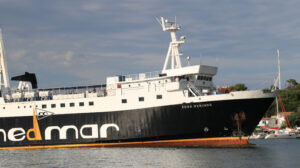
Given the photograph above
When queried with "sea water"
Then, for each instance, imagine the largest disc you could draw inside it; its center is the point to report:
(265, 154)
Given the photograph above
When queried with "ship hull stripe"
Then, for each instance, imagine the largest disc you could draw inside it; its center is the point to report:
(200, 142)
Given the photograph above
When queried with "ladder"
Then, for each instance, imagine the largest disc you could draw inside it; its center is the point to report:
(192, 88)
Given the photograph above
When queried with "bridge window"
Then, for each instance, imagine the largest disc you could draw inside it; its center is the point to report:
(81, 103)
(141, 99)
(62, 105)
(72, 104)
(44, 106)
(158, 96)
(124, 100)
(91, 103)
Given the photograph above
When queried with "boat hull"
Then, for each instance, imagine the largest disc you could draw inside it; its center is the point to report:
(215, 123)
(281, 136)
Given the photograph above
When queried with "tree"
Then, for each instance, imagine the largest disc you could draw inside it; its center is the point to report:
(238, 87)
(295, 119)
(266, 90)
(291, 83)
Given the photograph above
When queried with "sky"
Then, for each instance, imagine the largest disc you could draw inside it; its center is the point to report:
(75, 42)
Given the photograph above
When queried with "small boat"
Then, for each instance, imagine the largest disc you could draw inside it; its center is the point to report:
(260, 135)
(282, 134)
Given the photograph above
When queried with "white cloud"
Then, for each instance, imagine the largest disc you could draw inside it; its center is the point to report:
(18, 55)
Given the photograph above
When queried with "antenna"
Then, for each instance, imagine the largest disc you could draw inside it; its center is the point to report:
(279, 80)
(188, 58)
(173, 51)
(158, 21)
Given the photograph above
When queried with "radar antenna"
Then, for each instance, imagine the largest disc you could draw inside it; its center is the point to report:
(173, 50)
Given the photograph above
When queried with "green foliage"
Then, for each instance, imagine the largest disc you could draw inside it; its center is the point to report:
(295, 119)
(238, 87)
(291, 83)
(291, 100)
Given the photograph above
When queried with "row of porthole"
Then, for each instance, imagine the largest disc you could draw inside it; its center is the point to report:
(62, 105)
(141, 99)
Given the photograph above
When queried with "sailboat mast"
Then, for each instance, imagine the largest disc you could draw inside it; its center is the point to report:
(279, 78)
(3, 67)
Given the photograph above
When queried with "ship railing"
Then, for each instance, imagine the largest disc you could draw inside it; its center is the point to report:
(142, 76)
(17, 95)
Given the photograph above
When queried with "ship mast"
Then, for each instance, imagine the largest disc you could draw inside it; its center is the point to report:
(173, 51)
(3, 67)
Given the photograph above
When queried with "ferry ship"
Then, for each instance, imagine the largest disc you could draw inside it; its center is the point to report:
(177, 106)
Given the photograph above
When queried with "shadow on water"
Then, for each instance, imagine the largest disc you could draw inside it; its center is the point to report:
(266, 153)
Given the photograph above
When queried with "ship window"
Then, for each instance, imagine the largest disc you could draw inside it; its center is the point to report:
(124, 100)
(72, 104)
(53, 105)
(18, 106)
(158, 96)
(29, 106)
(81, 104)
(44, 106)
(62, 105)
(24, 106)
(141, 99)
(3, 107)
(91, 103)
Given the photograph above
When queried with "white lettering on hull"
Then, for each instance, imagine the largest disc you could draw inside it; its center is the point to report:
(4, 134)
(19, 134)
(62, 131)
(103, 129)
(94, 131)
(16, 134)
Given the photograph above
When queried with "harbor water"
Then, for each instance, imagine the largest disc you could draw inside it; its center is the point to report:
(266, 153)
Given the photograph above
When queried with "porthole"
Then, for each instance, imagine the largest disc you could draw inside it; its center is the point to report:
(141, 99)
(81, 103)
(91, 103)
(158, 96)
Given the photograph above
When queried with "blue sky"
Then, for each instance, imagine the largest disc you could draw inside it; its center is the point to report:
(68, 43)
